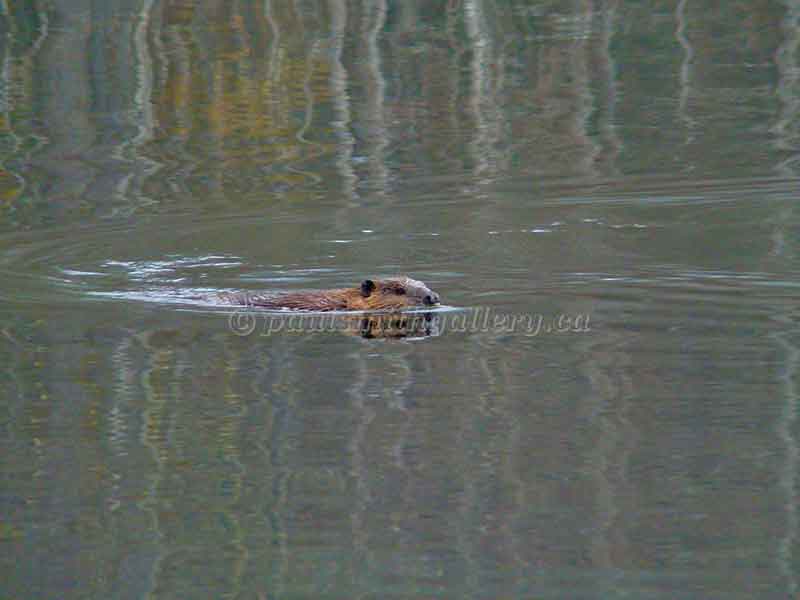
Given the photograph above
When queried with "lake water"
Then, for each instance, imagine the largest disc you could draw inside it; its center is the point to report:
(604, 193)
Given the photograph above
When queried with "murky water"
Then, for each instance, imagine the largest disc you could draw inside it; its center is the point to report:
(604, 194)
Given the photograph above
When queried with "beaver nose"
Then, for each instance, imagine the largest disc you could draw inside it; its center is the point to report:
(432, 298)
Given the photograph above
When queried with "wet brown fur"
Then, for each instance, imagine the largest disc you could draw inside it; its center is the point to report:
(379, 294)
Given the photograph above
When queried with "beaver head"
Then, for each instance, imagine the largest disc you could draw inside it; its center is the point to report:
(392, 294)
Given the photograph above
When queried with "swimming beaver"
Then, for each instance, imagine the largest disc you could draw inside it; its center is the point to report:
(379, 294)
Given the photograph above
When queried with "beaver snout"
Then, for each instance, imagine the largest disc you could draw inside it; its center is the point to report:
(431, 299)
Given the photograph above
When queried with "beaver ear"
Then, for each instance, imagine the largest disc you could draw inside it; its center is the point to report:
(367, 287)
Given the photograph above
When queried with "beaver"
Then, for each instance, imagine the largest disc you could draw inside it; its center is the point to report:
(392, 294)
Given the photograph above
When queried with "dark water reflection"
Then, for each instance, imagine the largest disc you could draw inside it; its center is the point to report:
(621, 174)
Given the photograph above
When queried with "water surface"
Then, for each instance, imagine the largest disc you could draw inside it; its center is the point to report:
(623, 174)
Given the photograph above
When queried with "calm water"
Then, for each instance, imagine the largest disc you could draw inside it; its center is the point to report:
(625, 174)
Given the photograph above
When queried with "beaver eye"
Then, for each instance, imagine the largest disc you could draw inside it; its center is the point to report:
(400, 291)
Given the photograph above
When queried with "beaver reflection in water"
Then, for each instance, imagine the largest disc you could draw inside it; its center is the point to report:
(394, 325)
(379, 294)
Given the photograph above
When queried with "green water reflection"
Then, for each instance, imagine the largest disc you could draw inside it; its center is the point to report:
(632, 165)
